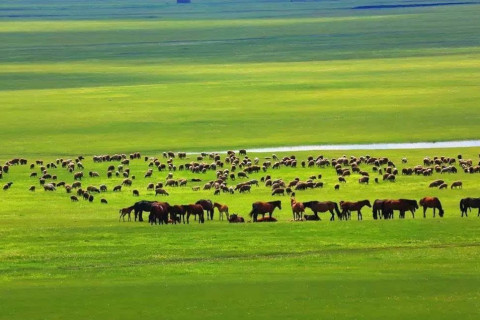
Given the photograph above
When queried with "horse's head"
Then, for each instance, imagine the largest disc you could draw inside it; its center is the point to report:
(441, 212)
(367, 203)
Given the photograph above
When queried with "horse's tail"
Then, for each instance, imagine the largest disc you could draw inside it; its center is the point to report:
(463, 206)
(252, 212)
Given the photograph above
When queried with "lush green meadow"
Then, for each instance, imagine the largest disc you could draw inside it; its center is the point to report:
(82, 77)
(75, 259)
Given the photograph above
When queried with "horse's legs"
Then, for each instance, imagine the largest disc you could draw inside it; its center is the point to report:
(140, 218)
(332, 218)
(434, 212)
(359, 215)
(188, 218)
(424, 211)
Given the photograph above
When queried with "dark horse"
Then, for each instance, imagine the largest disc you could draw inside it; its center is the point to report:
(141, 206)
(159, 211)
(263, 208)
(196, 210)
(317, 206)
(348, 207)
(431, 202)
(178, 212)
(207, 205)
(401, 205)
(377, 209)
(469, 203)
(235, 218)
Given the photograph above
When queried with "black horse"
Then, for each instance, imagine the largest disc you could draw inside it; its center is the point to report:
(141, 206)
(469, 203)
(263, 208)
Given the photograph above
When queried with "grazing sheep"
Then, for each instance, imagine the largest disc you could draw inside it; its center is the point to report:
(103, 200)
(117, 188)
(457, 184)
(337, 187)
(443, 186)
(73, 199)
(136, 193)
(161, 192)
(32, 188)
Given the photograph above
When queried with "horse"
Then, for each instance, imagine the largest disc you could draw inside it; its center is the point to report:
(221, 209)
(377, 209)
(141, 206)
(298, 209)
(401, 205)
(263, 208)
(158, 212)
(469, 203)
(177, 212)
(194, 209)
(311, 217)
(123, 212)
(235, 218)
(207, 205)
(317, 206)
(431, 202)
(347, 207)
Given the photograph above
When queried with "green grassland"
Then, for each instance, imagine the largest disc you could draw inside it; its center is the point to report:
(83, 77)
(76, 259)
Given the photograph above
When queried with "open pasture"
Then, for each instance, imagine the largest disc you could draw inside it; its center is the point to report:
(58, 253)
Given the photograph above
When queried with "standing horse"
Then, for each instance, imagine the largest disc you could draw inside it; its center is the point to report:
(402, 205)
(125, 211)
(377, 209)
(196, 210)
(178, 212)
(431, 202)
(348, 207)
(298, 209)
(207, 205)
(158, 212)
(141, 206)
(317, 206)
(221, 209)
(469, 203)
(263, 208)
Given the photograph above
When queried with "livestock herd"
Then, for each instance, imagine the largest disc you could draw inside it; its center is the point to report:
(234, 167)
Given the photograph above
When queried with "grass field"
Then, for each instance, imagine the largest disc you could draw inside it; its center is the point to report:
(81, 77)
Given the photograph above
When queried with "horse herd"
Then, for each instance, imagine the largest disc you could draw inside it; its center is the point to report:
(164, 213)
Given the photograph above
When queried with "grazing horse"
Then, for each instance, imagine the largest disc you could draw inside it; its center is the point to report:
(263, 208)
(469, 203)
(178, 212)
(194, 209)
(158, 212)
(401, 205)
(317, 206)
(235, 218)
(221, 209)
(123, 212)
(377, 209)
(207, 205)
(141, 206)
(298, 209)
(431, 202)
(347, 207)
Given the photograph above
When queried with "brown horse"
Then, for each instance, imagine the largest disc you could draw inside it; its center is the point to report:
(469, 203)
(221, 209)
(377, 209)
(431, 202)
(207, 205)
(158, 212)
(317, 206)
(123, 212)
(402, 205)
(263, 208)
(196, 210)
(348, 207)
(235, 218)
(178, 213)
(298, 209)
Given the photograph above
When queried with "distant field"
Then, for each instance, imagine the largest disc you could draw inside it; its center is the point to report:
(83, 77)
(217, 80)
